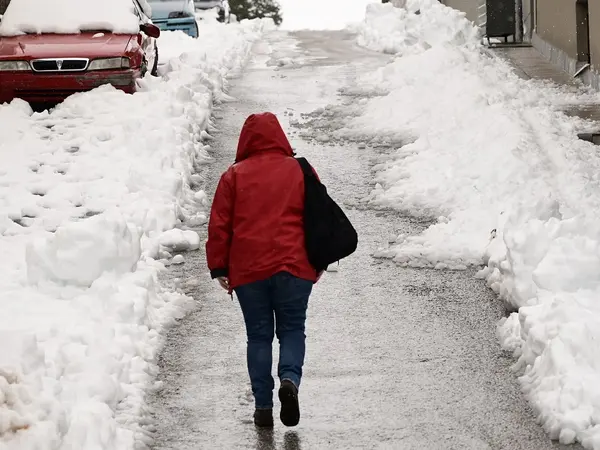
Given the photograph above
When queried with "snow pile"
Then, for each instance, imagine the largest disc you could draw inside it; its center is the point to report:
(419, 25)
(90, 194)
(507, 184)
(79, 253)
(442, 105)
(70, 16)
(180, 240)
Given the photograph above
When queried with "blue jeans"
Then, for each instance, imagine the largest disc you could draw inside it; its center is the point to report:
(276, 305)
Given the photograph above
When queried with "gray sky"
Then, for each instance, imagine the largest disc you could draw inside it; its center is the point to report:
(322, 14)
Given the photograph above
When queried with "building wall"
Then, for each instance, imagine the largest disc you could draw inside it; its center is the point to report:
(3, 5)
(528, 19)
(594, 10)
(470, 7)
(557, 24)
(555, 36)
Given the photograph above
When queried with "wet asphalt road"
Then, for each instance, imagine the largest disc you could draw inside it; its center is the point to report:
(397, 358)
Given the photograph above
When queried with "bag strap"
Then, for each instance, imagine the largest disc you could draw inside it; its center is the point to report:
(306, 167)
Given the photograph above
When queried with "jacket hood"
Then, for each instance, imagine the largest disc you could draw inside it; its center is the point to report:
(262, 133)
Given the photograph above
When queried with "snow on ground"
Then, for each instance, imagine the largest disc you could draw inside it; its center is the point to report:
(90, 195)
(507, 184)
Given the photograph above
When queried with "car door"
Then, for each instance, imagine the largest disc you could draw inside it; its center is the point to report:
(148, 43)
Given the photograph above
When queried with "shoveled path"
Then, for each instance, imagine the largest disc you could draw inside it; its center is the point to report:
(397, 358)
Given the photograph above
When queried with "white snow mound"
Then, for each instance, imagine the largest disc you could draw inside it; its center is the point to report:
(80, 252)
(420, 25)
(180, 240)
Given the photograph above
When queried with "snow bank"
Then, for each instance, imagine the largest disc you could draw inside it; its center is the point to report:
(420, 25)
(70, 16)
(507, 184)
(90, 195)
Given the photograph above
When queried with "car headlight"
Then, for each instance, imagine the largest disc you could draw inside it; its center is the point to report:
(179, 15)
(14, 66)
(109, 63)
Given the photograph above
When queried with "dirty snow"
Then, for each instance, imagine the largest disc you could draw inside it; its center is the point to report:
(70, 16)
(90, 194)
(500, 174)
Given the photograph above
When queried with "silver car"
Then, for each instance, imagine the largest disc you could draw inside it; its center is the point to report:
(222, 7)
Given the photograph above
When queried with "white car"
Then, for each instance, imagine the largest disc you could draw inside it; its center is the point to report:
(222, 6)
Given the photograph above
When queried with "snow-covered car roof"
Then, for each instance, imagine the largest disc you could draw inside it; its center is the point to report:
(71, 16)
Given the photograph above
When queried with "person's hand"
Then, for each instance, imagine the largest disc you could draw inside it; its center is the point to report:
(224, 282)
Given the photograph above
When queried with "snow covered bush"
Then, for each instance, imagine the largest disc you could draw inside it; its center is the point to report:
(509, 186)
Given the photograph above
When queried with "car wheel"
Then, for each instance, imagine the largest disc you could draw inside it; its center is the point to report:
(154, 71)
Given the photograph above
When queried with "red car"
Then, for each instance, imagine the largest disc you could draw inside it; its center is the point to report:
(46, 67)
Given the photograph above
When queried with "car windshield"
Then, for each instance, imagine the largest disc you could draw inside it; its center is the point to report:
(162, 8)
(69, 17)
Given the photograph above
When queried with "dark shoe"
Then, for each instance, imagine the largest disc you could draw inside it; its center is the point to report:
(263, 418)
(290, 409)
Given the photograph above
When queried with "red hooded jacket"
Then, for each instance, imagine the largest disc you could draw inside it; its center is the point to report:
(256, 226)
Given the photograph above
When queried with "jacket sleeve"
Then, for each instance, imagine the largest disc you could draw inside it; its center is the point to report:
(220, 228)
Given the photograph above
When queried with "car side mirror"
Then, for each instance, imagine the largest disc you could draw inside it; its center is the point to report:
(150, 30)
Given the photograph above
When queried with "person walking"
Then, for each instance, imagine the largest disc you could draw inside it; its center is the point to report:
(256, 247)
